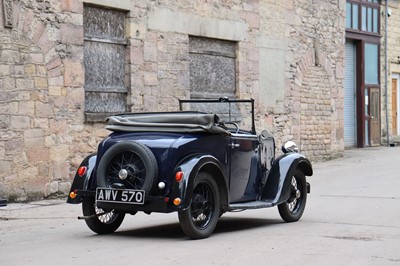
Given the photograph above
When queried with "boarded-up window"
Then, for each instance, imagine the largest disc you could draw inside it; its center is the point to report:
(213, 75)
(105, 62)
(212, 68)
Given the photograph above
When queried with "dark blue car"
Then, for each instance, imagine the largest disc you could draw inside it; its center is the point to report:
(200, 164)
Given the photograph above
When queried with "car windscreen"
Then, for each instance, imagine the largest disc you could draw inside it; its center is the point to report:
(229, 111)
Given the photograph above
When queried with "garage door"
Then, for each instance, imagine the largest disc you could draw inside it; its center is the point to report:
(350, 96)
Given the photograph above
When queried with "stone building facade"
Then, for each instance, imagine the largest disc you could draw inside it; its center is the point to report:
(393, 79)
(57, 83)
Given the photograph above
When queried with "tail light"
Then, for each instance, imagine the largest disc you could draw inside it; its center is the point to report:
(179, 176)
(82, 171)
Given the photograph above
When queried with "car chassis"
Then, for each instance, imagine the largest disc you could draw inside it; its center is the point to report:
(188, 162)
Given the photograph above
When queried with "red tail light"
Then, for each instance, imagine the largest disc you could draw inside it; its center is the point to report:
(82, 170)
(179, 176)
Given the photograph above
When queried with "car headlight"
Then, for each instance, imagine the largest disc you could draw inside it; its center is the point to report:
(290, 146)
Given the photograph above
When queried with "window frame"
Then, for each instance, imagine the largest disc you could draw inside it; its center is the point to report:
(364, 4)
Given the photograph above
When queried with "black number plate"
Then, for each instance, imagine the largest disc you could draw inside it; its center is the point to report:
(130, 196)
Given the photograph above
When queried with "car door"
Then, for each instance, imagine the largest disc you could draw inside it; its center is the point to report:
(243, 183)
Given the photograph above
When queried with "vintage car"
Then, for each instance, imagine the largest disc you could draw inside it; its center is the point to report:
(199, 164)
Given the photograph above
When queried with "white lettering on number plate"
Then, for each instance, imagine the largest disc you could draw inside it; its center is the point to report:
(120, 195)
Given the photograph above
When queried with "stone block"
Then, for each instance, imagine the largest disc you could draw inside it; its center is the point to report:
(5, 167)
(4, 70)
(34, 138)
(137, 55)
(4, 121)
(30, 69)
(20, 122)
(61, 170)
(53, 63)
(24, 84)
(56, 81)
(27, 109)
(9, 108)
(73, 73)
(42, 123)
(40, 82)
(59, 153)
(71, 34)
(44, 109)
(72, 6)
(150, 51)
(150, 79)
(52, 188)
(64, 187)
(10, 56)
(14, 146)
(36, 57)
(38, 154)
(55, 91)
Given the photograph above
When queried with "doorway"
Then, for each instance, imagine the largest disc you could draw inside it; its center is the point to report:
(372, 117)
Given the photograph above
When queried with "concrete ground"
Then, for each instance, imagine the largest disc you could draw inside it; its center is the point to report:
(352, 218)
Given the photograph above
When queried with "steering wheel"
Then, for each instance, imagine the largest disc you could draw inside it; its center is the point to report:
(233, 123)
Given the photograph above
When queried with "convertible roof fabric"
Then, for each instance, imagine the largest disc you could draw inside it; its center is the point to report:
(186, 122)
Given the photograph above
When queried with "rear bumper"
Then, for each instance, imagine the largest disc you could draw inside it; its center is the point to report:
(151, 203)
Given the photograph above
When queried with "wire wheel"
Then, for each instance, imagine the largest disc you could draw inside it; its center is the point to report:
(105, 217)
(98, 220)
(126, 168)
(202, 207)
(293, 208)
(129, 165)
(200, 219)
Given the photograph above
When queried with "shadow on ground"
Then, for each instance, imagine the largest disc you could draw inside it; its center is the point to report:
(173, 230)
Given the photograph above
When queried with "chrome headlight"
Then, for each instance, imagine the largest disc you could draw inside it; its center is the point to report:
(290, 146)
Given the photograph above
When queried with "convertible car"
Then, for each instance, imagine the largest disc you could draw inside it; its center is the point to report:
(200, 162)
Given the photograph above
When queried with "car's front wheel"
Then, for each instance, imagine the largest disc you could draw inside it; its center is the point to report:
(200, 219)
(293, 208)
(98, 220)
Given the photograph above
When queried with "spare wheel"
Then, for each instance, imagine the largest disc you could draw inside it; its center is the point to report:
(128, 165)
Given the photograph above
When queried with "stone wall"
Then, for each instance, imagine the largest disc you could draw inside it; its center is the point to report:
(308, 36)
(289, 58)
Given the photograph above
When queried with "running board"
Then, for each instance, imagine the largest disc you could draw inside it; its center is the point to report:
(250, 205)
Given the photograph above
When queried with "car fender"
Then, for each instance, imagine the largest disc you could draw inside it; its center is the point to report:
(80, 183)
(277, 187)
(190, 168)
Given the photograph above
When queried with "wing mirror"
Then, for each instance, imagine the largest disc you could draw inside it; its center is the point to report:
(290, 146)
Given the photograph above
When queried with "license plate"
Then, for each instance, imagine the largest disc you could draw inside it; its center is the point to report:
(129, 196)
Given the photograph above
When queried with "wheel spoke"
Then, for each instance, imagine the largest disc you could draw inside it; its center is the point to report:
(131, 162)
(202, 206)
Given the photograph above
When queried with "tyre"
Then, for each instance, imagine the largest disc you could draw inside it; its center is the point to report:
(199, 220)
(130, 164)
(102, 224)
(293, 208)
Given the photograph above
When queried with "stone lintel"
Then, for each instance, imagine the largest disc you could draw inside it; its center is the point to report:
(167, 20)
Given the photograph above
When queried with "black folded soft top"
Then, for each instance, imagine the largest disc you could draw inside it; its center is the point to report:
(185, 122)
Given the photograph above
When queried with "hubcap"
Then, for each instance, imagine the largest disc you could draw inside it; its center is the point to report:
(298, 194)
(123, 174)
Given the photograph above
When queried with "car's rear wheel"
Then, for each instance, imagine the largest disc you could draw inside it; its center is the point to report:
(293, 208)
(200, 219)
(100, 221)
(129, 165)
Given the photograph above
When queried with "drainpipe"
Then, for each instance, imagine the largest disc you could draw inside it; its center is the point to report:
(386, 74)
